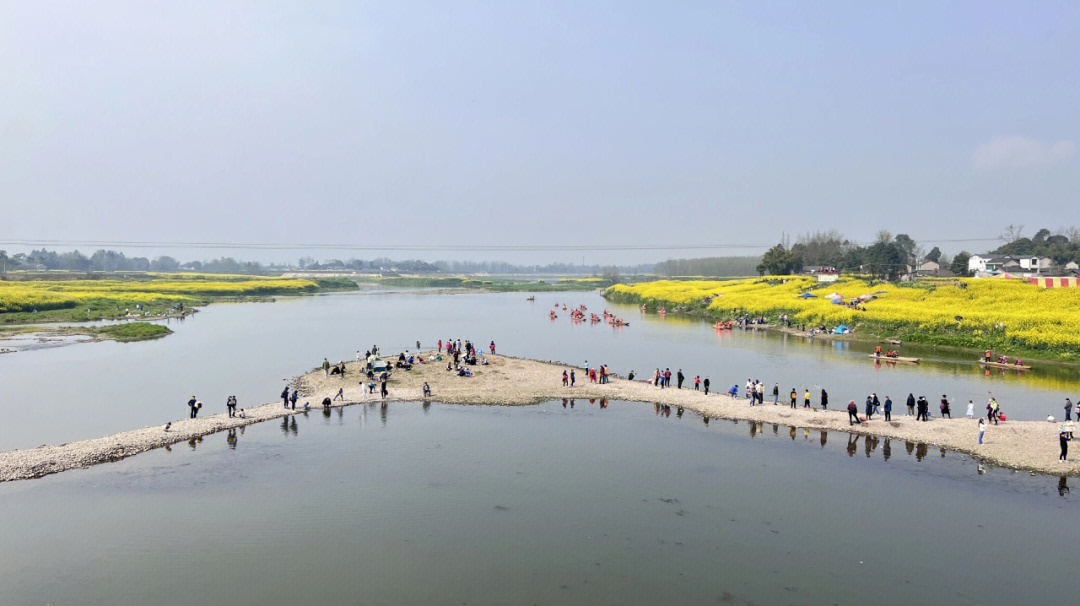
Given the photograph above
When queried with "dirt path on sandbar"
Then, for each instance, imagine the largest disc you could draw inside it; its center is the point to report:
(1028, 445)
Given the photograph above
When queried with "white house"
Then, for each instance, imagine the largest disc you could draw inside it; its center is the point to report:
(1028, 265)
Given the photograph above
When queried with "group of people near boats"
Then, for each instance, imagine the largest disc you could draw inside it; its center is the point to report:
(892, 353)
(1001, 359)
(577, 315)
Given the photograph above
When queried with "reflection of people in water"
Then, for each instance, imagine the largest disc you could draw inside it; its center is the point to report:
(706, 420)
(920, 451)
(886, 449)
(824, 438)
(230, 439)
(1063, 488)
(852, 444)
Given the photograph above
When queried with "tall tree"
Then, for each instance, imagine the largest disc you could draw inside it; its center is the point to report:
(779, 261)
(959, 264)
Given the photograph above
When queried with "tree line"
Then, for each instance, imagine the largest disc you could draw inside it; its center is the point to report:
(889, 257)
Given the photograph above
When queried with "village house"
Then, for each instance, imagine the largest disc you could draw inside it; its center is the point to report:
(991, 265)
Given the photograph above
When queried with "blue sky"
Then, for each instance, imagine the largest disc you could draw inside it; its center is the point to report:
(535, 123)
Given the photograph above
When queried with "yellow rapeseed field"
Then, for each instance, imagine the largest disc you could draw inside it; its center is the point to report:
(40, 295)
(976, 313)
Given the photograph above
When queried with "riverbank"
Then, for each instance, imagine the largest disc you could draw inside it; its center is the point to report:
(967, 316)
(488, 283)
(36, 299)
(1026, 445)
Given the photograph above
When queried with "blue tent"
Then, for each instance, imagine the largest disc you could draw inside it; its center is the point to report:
(807, 295)
(841, 329)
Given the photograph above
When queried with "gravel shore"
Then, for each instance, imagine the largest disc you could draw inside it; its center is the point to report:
(1027, 445)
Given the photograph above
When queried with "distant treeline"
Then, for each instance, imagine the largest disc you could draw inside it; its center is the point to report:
(890, 257)
(114, 261)
(111, 260)
(1062, 247)
(709, 267)
(501, 267)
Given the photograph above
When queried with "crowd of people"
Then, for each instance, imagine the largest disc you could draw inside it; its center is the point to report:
(754, 392)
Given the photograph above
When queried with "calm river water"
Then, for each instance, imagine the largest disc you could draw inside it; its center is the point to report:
(536, 505)
(561, 503)
(91, 390)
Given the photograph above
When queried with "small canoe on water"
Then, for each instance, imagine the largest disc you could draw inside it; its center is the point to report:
(1000, 365)
(896, 359)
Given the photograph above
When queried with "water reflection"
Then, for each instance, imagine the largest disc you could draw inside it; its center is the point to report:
(824, 438)
(230, 438)
(1063, 487)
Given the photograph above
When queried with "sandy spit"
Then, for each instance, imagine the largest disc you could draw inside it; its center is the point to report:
(1026, 445)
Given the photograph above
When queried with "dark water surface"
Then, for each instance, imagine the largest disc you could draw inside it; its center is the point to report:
(91, 390)
(537, 505)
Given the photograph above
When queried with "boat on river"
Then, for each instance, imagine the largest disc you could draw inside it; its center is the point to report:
(894, 359)
(1002, 365)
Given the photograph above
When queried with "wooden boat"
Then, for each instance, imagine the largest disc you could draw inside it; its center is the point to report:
(531, 299)
(722, 326)
(1000, 365)
(884, 358)
(894, 341)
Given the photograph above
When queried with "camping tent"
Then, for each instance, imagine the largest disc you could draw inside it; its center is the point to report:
(807, 295)
(841, 330)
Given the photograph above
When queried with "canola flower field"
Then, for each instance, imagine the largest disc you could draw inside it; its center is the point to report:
(1008, 316)
(76, 299)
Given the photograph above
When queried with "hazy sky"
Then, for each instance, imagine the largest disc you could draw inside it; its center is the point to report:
(510, 123)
